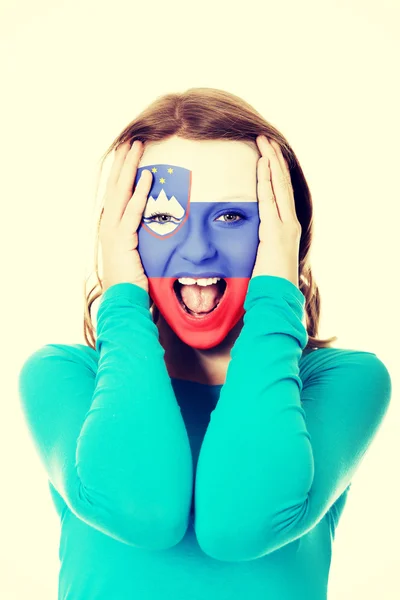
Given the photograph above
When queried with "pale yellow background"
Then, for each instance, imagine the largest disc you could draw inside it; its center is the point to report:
(73, 74)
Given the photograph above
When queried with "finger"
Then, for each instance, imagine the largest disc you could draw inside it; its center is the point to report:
(119, 157)
(282, 161)
(129, 167)
(286, 183)
(267, 206)
(119, 189)
(279, 182)
(134, 210)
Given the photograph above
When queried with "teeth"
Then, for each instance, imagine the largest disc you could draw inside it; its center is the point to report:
(201, 281)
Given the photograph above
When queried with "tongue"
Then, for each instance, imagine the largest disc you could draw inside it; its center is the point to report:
(201, 299)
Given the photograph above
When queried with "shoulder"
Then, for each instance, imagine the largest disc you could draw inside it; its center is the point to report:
(346, 365)
(314, 357)
(56, 354)
(53, 371)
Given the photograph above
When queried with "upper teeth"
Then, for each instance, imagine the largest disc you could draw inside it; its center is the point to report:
(203, 281)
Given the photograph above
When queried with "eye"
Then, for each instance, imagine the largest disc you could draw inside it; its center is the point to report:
(161, 223)
(234, 213)
(159, 214)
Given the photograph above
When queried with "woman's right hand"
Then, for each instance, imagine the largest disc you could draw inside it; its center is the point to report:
(121, 218)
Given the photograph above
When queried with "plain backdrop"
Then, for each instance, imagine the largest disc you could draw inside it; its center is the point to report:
(73, 75)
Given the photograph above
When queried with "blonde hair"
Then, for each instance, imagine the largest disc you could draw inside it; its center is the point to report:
(212, 114)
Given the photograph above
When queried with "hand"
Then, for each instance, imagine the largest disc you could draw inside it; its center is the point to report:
(279, 230)
(121, 219)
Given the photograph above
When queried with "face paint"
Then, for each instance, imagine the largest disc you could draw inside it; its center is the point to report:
(192, 230)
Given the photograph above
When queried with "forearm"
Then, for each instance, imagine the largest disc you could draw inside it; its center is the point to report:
(256, 458)
(133, 453)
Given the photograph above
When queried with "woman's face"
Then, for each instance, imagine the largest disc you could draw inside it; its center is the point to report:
(205, 194)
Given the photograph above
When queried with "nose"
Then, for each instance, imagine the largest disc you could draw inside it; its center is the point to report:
(197, 245)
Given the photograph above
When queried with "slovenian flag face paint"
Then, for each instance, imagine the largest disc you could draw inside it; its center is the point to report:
(182, 238)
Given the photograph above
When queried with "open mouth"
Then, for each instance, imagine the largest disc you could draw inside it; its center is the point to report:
(177, 289)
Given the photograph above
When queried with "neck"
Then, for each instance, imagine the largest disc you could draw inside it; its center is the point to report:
(204, 366)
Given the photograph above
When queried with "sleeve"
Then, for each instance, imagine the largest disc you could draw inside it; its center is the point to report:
(278, 452)
(113, 442)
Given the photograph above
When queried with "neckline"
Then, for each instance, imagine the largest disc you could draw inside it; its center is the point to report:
(208, 385)
(219, 385)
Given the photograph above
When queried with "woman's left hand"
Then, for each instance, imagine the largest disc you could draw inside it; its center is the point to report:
(279, 230)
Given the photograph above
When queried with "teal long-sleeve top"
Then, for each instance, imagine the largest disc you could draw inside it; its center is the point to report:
(168, 488)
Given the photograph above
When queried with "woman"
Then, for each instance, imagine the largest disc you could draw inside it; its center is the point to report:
(204, 444)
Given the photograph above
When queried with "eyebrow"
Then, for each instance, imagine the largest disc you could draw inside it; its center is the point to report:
(240, 197)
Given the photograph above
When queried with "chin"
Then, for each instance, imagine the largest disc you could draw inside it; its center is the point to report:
(205, 332)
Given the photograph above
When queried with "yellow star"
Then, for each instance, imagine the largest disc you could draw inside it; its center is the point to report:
(170, 170)
(162, 180)
(154, 169)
